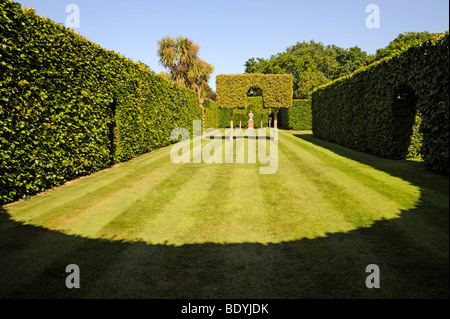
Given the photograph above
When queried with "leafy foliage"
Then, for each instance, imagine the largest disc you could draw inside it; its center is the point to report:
(403, 42)
(180, 56)
(209, 92)
(218, 117)
(298, 117)
(232, 90)
(374, 109)
(416, 140)
(212, 114)
(311, 63)
(69, 107)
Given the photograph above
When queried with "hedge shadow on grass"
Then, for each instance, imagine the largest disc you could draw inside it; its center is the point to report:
(411, 251)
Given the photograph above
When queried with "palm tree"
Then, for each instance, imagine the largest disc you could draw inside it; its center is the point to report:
(180, 56)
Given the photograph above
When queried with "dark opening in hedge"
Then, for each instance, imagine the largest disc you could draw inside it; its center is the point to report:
(404, 111)
(395, 108)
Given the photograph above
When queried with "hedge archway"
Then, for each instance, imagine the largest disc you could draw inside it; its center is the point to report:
(276, 89)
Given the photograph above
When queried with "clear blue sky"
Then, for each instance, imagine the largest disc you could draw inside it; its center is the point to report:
(232, 31)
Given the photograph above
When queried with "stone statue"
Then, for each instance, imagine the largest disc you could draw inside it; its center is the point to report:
(250, 121)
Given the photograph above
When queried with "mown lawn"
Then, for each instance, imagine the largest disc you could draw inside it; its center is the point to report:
(149, 228)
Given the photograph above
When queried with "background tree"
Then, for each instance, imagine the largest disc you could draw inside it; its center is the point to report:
(349, 60)
(311, 63)
(201, 77)
(208, 90)
(403, 42)
(180, 56)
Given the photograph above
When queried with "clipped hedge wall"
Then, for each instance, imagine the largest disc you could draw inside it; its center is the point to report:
(298, 117)
(374, 109)
(212, 116)
(276, 89)
(218, 117)
(69, 108)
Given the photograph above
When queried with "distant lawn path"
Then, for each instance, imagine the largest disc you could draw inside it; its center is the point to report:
(309, 230)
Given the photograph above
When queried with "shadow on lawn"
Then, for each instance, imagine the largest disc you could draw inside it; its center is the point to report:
(411, 251)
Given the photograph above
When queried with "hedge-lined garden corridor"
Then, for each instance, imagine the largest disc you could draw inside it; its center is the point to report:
(87, 177)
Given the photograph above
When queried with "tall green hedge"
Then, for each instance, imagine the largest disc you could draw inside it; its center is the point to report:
(298, 117)
(212, 115)
(374, 109)
(69, 107)
(276, 89)
(218, 117)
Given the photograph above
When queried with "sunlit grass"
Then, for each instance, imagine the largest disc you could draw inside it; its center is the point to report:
(314, 192)
(149, 228)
